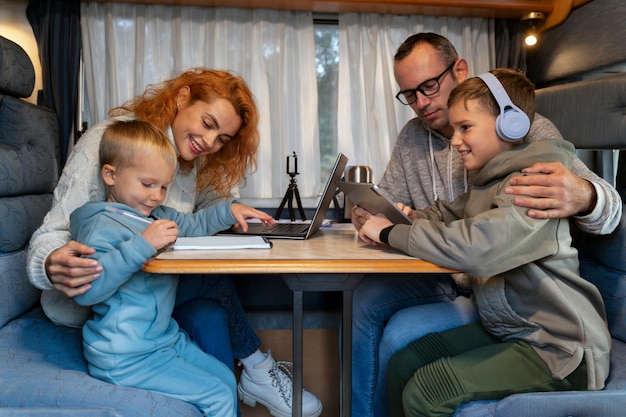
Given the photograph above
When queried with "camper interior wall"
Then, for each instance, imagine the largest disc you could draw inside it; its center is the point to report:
(587, 45)
(14, 26)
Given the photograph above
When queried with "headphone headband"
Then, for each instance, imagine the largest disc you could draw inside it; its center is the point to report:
(512, 124)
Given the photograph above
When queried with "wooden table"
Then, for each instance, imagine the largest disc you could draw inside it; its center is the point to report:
(334, 259)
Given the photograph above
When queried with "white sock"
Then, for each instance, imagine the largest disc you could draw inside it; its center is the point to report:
(254, 359)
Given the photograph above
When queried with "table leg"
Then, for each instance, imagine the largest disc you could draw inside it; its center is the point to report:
(298, 283)
(297, 335)
(346, 348)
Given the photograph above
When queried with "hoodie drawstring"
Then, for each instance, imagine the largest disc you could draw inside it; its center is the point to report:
(432, 164)
(450, 179)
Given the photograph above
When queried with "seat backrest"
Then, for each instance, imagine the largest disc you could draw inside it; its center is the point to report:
(28, 175)
(592, 115)
(603, 262)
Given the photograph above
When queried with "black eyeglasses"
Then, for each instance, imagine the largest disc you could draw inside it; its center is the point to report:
(427, 88)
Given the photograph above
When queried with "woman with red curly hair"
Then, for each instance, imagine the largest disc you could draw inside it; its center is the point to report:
(211, 118)
(172, 103)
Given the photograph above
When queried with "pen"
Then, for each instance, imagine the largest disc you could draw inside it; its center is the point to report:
(127, 213)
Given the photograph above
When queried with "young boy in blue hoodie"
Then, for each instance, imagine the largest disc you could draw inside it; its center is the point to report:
(542, 326)
(132, 340)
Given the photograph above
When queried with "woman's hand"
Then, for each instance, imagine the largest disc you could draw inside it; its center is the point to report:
(243, 212)
(69, 272)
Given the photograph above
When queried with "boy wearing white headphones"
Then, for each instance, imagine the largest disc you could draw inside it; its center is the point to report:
(542, 327)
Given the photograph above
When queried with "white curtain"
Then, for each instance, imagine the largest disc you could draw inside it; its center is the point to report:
(370, 117)
(126, 47)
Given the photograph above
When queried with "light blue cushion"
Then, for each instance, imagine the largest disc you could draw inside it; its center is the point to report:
(59, 412)
(42, 366)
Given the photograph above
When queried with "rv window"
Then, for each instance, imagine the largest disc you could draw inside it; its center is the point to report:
(327, 60)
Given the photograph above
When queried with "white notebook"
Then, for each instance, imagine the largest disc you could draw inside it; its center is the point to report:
(222, 242)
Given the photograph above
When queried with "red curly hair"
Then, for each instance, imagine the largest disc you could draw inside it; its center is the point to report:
(224, 169)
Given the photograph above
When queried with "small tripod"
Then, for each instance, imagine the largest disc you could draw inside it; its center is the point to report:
(291, 192)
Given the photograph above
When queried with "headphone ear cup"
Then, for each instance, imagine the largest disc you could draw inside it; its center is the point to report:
(512, 125)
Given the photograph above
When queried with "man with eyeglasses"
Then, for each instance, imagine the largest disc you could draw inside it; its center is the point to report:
(428, 88)
(391, 311)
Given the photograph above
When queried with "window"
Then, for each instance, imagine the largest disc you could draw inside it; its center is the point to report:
(306, 66)
(327, 69)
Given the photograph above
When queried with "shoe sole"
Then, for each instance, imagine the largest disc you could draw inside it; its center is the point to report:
(251, 400)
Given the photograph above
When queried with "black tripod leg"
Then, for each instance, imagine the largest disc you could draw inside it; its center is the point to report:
(287, 197)
(292, 214)
(299, 204)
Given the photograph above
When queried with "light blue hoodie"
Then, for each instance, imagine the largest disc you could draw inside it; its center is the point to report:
(132, 309)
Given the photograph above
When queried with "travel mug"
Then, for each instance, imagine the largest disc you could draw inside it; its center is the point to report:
(355, 173)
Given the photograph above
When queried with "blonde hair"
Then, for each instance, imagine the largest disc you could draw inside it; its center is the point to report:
(226, 168)
(520, 89)
(123, 139)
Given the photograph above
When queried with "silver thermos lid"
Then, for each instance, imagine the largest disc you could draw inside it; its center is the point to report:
(355, 173)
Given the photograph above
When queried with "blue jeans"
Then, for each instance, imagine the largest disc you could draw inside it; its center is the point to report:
(206, 322)
(209, 310)
(401, 330)
(375, 300)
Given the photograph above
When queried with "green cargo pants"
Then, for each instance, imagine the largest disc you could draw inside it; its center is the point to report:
(435, 374)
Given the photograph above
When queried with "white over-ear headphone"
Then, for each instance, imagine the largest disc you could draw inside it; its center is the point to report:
(512, 124)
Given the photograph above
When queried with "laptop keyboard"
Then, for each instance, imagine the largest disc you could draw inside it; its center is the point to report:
(288, 228)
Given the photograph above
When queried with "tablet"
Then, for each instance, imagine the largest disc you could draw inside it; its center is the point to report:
(373, 199)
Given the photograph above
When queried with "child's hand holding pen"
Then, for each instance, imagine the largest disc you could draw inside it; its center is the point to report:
(161, 233)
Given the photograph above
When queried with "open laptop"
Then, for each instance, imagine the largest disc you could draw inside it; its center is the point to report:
(302, 230)
(373, 199)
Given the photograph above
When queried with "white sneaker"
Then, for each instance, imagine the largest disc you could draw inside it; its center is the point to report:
(270, 384)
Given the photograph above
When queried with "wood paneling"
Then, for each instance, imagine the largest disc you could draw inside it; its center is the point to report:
(555, 10)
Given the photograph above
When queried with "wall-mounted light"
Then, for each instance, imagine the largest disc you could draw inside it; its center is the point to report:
(531, 37)
(532, 22)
